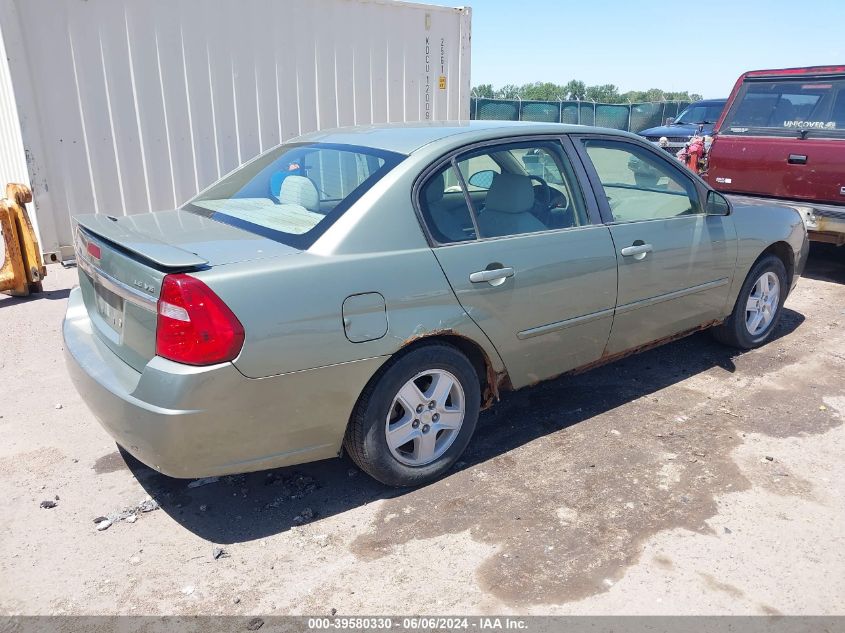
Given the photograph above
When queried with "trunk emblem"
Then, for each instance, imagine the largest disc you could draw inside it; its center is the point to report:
(143, 285)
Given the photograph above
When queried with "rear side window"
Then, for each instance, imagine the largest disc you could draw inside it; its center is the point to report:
(294, 192)
(782, 107)
(444, 208)
(511, 189)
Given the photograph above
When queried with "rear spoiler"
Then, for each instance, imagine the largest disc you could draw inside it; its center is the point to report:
(123, 237)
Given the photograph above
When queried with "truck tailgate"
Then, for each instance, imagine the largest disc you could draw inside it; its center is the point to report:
(790, 168)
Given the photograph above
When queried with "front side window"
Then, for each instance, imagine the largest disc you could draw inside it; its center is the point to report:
(294, 192)
(639, 185)
(816, 106)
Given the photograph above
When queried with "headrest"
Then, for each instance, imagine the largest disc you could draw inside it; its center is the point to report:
(434, 188)
(299, 190)
(510, 193)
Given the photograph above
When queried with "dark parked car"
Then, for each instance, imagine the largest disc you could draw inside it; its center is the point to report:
(678, 132)
(782, 139)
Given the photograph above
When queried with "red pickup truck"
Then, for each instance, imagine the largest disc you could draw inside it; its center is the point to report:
(781, 137)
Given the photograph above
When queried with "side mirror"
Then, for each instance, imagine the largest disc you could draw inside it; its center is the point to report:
(482, 179)
(717, 204)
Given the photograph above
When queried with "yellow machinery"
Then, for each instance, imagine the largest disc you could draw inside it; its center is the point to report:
(22, 269)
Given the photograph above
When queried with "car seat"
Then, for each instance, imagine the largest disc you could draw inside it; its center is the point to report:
(301, 191)
(445, 221)
(507, 209)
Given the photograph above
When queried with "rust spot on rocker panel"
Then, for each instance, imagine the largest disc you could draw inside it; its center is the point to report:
(610, 358)
(496, 383)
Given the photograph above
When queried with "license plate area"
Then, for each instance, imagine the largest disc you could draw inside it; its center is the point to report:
(109, 308)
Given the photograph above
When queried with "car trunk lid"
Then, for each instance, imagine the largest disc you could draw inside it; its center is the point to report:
(123, 261)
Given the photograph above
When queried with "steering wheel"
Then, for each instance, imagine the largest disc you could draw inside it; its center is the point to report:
(554, 205)
(545, 191)
(543, 200)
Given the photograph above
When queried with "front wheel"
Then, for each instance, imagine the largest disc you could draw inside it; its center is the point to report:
(416, 417)
(758, 307)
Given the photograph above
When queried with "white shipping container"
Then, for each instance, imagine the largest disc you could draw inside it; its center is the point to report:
(132, 106)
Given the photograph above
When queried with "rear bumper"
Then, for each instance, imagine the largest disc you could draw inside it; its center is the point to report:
(202, 421)
(824, 222)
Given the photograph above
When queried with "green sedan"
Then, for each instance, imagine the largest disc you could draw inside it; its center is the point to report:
(374, 288)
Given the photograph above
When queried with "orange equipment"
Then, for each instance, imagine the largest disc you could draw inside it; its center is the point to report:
(22, 269)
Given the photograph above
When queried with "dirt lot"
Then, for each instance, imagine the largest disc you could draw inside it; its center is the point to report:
(686, 480)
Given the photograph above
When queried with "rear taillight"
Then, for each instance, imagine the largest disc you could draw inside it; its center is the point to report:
(194, 326)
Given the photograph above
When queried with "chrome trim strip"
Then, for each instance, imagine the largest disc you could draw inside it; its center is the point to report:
(642, 303)
(561, 325)
(121, 289)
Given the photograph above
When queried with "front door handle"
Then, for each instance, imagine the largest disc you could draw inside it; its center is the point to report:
(797, 159)
(494, 277)
(637, 251)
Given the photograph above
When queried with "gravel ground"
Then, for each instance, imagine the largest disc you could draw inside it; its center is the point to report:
(688, 480)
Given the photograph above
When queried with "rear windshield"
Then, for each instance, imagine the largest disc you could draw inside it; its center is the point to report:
(294, 192)
(699, 113)
(783, 107)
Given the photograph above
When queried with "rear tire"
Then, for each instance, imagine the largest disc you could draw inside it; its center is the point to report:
(758, 307)
(416, 417)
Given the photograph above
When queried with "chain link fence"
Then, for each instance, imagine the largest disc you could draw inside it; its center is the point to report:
(633, 117)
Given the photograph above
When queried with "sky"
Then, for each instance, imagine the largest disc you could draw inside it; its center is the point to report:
(700, 46)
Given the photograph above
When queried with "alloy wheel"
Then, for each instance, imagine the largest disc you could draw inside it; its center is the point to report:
(763, 303)
(425, 417)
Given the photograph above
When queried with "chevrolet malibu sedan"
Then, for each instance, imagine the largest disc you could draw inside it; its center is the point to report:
(373, 288)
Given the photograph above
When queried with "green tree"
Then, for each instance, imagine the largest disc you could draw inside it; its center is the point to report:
(484, 91)
(606, 93)
(539, 91)
(508, 91)
(574, 89)
(682, 96)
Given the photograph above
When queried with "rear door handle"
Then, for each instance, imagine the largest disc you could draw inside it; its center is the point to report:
(494, 277)
(638, 251)
(797, 159)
